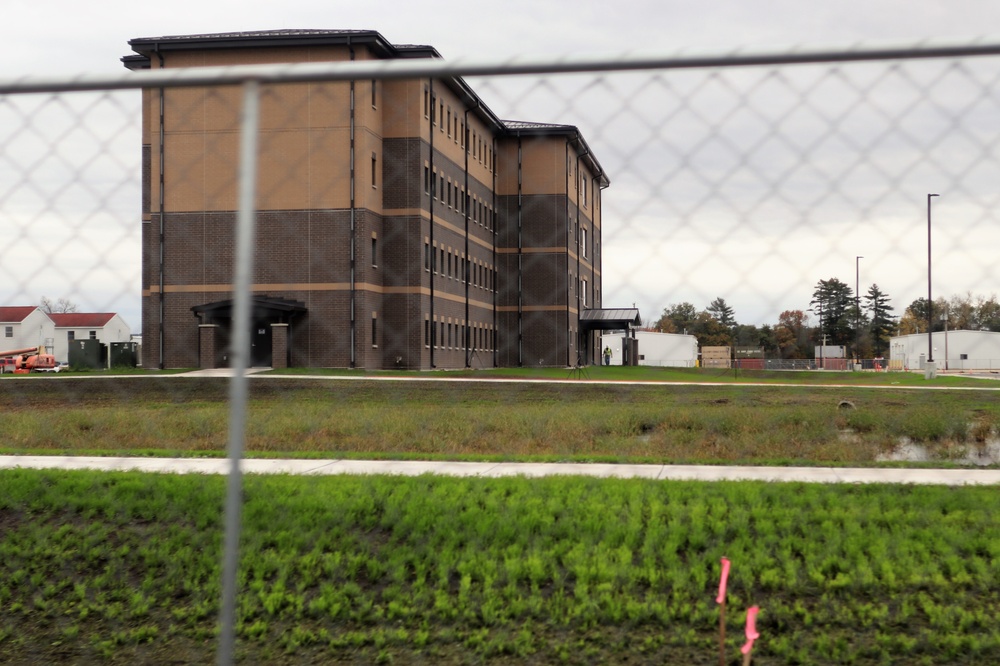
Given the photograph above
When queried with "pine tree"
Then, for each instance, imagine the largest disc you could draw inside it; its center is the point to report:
(882, 325)
(833, 303)
(722, 312)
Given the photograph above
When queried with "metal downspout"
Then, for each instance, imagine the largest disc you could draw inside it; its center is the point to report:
(494, 333)
(569, 315)
(586, 349)
(162, 205)
(465, 276)
(433, 250)
(353, 239)
(520, 250)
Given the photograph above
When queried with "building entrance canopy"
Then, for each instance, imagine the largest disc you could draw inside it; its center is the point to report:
(609, 319)
(277, 310)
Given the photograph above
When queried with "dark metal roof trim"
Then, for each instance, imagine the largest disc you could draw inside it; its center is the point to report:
(609, 319)
(259, 303)
(526, 128)
(146, 46)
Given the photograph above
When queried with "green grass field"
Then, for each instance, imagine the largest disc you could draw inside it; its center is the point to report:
(499, 420)
(125, 568)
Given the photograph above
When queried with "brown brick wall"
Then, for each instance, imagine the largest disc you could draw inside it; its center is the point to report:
(304, 225)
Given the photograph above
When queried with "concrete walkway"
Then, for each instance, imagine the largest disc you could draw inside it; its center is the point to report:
(951, 477)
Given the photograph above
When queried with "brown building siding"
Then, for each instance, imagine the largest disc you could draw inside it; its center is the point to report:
(454, 241)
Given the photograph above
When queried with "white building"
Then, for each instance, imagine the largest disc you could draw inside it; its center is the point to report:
(23, 326)
(952, 350)
(661, 349)
(107, 327)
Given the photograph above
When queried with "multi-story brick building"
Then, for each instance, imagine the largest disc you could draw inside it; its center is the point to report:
(400, 223)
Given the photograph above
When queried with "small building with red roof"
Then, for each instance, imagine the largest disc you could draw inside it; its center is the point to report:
(23, 326)
(107, 327)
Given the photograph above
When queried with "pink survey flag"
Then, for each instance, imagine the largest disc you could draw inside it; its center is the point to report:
(752, 634)
(722, 582)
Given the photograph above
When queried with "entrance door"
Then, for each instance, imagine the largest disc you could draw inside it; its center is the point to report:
(260, 345)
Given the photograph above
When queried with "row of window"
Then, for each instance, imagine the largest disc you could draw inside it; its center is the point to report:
(452, 124)
(446, 335)
(453, 195)
(8, 332)
(451, 265)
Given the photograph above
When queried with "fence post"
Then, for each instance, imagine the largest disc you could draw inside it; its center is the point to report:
(245, 231)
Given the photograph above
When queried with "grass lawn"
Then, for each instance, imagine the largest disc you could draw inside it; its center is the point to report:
(839, 424)
(124, 567)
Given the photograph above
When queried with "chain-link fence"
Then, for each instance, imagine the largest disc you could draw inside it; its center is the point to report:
(411, 213)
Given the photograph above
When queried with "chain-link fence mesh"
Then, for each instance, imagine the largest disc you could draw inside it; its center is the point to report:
(469, 240)
(745, 183)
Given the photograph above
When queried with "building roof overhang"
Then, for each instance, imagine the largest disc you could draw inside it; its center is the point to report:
(609, 319)
(262, 307)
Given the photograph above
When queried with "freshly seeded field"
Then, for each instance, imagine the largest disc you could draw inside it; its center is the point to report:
(125, 567)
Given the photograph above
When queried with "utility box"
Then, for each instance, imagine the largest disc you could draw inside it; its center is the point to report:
(87, 354)
(123, 354)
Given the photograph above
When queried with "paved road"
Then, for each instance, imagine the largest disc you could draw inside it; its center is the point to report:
(952, 477)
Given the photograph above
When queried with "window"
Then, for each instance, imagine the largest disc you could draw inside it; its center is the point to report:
(427, 333)
(583, 291)
(374, 252)
(374, 330)
(449, 121)
(427, 256)
(427, 99)
(441, 116)
(583, 242)
(374, 89)
(70, 336)
(374, 170)
(583, 191)
(8, 331)
(427, 179)
(93, 335)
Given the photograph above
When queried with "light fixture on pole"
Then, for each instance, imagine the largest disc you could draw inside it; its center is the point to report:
(930, 303)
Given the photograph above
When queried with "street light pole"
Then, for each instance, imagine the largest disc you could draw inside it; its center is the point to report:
(857, 304)
(930, 303)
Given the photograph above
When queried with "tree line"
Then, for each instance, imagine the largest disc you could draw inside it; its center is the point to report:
(835, 316)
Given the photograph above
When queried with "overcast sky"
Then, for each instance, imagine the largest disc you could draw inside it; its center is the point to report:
(668, 235)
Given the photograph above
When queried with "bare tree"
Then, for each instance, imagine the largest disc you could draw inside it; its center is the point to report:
(60, 306)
